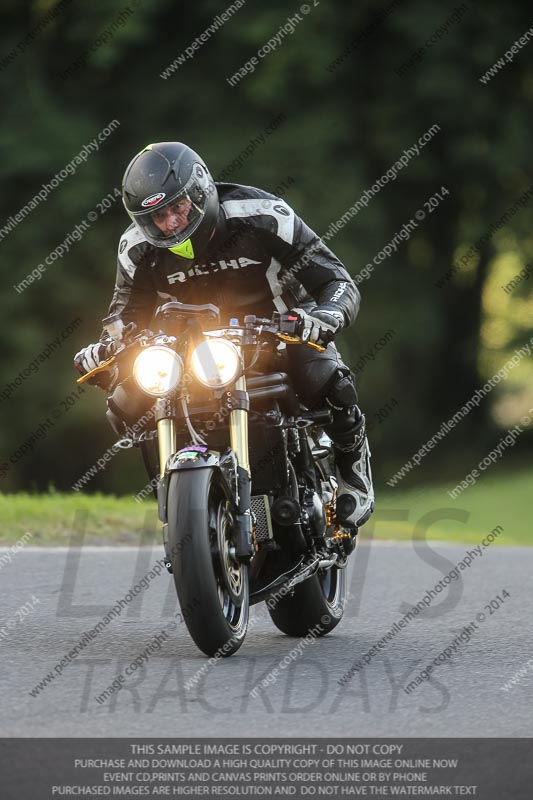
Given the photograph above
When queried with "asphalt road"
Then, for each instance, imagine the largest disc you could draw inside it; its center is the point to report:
(462, 698)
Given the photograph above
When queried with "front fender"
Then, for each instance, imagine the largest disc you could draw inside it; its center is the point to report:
(197, 457)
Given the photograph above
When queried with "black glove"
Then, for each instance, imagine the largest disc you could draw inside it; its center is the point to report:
(90, 357)
(319, 325)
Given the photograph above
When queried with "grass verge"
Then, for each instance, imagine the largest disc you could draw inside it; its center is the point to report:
(427, 511)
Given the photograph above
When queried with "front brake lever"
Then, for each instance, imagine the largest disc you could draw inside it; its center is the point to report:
(296, 340)
(100, 368)
(117, 347)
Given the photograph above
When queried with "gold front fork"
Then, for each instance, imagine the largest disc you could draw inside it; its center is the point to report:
(238, 429)
(166, 434)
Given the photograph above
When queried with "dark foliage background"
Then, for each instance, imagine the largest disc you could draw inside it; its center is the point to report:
(344, 128)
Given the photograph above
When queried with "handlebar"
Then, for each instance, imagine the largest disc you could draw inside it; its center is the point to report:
(283, 326)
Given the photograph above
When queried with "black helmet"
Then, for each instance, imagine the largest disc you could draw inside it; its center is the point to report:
(170, 195)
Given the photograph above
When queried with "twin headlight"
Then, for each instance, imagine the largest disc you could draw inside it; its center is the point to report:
(158, 370)
(215, 363)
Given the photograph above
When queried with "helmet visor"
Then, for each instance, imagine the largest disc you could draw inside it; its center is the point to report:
(168, 222)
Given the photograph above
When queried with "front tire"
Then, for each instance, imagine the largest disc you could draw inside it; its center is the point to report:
(212, 586)
(317, 603)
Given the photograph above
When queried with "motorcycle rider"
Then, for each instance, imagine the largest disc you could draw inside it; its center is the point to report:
(198, 241)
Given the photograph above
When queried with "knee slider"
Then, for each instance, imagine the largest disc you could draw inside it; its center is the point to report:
(342, 392)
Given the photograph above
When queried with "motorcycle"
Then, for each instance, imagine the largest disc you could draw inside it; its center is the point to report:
(245, 487)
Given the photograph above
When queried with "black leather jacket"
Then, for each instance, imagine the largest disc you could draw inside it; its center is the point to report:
(262, 258)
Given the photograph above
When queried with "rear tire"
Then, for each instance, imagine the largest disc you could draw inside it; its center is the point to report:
(212, 586)
(318, 601)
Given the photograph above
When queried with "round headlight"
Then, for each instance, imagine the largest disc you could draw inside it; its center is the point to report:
(215, 363)
(157, 370)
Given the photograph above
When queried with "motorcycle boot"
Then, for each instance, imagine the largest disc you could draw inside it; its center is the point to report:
(355, 498)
